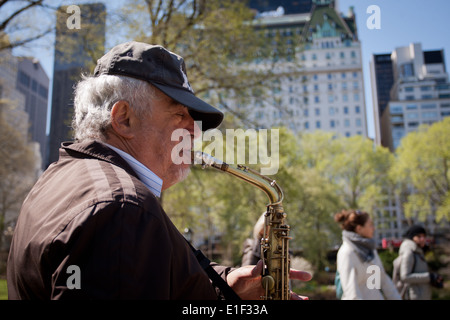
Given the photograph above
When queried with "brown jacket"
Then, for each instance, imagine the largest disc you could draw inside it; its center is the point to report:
(90, 210)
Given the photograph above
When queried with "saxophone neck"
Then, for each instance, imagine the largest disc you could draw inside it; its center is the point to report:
(269, 186)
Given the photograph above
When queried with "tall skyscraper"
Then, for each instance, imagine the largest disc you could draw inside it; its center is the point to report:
(76, 51)
(419, 94)
(329, 94)
(33, 83)
(382, 79)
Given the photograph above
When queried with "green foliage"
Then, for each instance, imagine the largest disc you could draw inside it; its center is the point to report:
(315, 171)
(3, 290)
(387, 258)
(422, 169)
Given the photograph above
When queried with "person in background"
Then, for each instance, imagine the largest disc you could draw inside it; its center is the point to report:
(252, 246)
(357, 260)
(414, 272)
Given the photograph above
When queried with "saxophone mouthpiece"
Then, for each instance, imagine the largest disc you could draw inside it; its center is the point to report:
(206, 160)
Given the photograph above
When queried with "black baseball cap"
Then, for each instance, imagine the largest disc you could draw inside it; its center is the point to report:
(163, 69)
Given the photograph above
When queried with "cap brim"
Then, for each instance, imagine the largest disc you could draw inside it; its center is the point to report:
(198, 109)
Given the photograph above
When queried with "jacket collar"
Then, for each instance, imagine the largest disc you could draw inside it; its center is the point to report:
(95, 149)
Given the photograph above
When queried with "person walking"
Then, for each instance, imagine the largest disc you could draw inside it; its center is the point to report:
(358, 262)
(416, 280)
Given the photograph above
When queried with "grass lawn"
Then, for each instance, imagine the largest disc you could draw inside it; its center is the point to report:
(3, 290)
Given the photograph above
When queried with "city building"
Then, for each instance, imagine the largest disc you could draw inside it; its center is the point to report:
(11, 99)
(76, 52)
(33, 83)
(328, 93)
(419, 93)
(381, 81)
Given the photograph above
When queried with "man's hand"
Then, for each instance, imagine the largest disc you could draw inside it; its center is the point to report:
(246, 281)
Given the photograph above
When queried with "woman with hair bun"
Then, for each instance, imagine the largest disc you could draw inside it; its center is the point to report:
(361, 272)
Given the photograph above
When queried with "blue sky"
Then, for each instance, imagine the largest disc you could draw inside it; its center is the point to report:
(402, 22)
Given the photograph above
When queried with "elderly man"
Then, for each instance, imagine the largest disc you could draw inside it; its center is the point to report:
(95, 214)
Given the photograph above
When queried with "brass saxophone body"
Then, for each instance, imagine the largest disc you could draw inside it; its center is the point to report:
(275, 240)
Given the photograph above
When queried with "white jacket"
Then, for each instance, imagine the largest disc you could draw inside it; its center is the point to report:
(354, 275)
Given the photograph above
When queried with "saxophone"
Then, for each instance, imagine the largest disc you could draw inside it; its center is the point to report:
(275, 240)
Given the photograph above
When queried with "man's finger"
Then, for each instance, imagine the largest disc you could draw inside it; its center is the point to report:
(295, 296)
(300, 275)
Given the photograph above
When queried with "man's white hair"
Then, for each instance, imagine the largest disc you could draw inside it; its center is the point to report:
(95, 97)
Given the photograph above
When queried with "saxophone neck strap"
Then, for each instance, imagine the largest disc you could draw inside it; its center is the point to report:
(217, 280)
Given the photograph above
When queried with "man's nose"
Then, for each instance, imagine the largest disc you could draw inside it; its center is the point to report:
(194, 127)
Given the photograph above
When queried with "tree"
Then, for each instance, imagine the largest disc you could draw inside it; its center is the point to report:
(422, 170)
(311, 200)
(228, 58)
(18, 24)
(17, 165)
(361, 171)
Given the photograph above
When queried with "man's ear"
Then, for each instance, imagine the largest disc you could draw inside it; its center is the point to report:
(121, 114)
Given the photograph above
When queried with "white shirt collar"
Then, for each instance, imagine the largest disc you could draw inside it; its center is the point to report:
(147, 177)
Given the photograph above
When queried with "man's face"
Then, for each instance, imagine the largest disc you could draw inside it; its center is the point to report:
(153, 139)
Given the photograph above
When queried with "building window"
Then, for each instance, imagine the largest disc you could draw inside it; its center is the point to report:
(317, 111)
(345, 110)
(428, 106)
(24, 79)
(318, 124)
(357, 109)
(429, 115)
(358, 122)
(43, 92)
(346, 123)
(407, 70)
(395, 109)
(332, 123)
